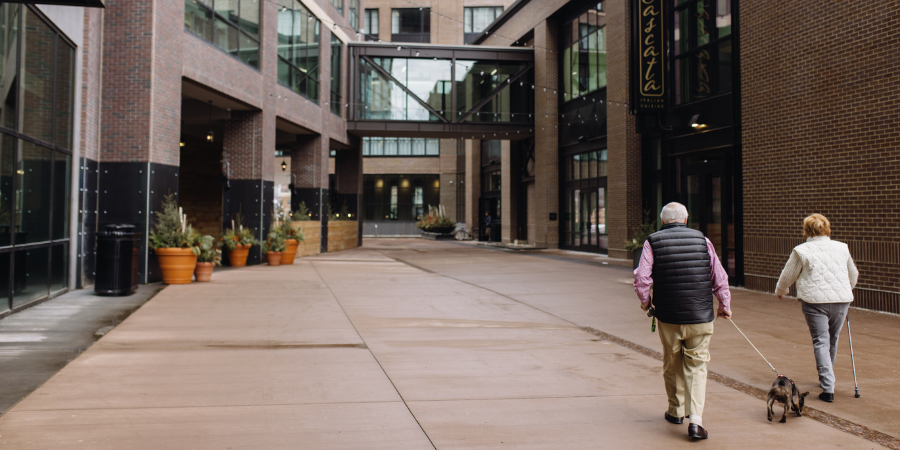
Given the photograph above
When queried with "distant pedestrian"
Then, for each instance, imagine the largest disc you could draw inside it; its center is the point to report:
(825, 275)
(681, 265)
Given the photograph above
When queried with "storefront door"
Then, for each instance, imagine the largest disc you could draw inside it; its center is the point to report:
(706, 192)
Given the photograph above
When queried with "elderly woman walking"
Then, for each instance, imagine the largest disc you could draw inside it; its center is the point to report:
(825, 275)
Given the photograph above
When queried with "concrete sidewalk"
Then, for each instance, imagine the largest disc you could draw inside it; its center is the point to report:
(418, 344)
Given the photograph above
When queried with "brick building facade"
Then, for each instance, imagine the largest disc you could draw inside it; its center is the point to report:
(819, 107)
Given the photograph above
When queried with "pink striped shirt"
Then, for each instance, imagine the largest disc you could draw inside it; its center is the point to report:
(643, 279)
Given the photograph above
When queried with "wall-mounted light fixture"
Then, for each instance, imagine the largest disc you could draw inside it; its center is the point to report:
(210, 136)
(697, 123)
(181, 144)
(283, 166)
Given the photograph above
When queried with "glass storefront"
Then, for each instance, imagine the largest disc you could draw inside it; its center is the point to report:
(584, 219)
(582, 131)
(399, 197)
(38, 73)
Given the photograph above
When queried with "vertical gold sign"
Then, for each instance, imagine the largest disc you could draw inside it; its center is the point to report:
(651, 84)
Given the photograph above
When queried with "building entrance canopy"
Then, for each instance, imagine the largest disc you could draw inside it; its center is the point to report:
(424, 90)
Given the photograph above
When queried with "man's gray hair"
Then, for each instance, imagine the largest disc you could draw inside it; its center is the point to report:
(673, 212)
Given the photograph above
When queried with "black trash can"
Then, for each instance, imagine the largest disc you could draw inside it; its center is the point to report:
(118, 249)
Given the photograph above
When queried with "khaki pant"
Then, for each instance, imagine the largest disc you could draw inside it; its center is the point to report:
(685, 357)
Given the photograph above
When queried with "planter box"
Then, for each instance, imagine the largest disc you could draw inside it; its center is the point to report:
(313, 232)
(342, 235)
(438, 236)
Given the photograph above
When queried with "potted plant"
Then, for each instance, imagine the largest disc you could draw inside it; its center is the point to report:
(175, 243)
(238, 242)
(636, 244)
(436, 221)
(292, 237)
(209, 257)
(274, 247)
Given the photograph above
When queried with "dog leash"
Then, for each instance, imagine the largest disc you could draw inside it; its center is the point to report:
(754, 347)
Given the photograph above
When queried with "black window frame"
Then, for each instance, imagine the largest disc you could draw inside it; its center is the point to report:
(16, 252)
(423, 36)
(336, 88)
(210, 9)
(371, 35)
(338, 5)
(696, 50)
(354, 15)
(470, 37)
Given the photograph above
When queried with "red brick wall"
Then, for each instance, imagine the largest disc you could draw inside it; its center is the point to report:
(820, 105)
(127, 81)
(307, 160)
(91, 70)
(167, 63)
(243, 145)
(624, 181)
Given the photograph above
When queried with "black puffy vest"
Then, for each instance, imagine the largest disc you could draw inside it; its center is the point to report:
(682, 280)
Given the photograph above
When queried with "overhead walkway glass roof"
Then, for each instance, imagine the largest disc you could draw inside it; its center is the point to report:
(423, 90)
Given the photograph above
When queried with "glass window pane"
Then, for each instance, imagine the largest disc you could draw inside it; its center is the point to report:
(59, 260)
(603, 169)
(702, 23)
(390, 146)
(197, 19)
(226, 37)
(723, 17)
(284, 72)
(434, 147)
(7, 144)
(681, 32)
(724, 72)
(249, 50)
(9, 49)
(404, 147)
(37, 95)
(249, 20)
(5, 259)
(426, 79)
(30, 279)
(33, 193)
(65, 81)
(227, 9)
(60, 200)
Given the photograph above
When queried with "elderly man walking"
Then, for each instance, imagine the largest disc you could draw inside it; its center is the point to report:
(681, 265)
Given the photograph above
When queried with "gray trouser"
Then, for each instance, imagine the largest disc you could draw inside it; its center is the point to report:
(825, 321)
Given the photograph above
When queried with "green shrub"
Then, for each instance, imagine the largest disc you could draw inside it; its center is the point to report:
(243, 236)
(209, 250)
(172, 229)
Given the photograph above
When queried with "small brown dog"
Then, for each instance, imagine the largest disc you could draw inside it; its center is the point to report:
(785, 391)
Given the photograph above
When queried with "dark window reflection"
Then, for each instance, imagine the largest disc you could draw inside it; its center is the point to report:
(37, 97)
(60, 263)
(30, 280)
(9, 51)
(61, 171)
(7, 144)
(33, 193)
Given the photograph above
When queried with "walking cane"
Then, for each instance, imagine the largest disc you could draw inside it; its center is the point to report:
(852, 360)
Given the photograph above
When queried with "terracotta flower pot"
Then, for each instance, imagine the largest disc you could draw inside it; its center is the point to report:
(238, 256)
(177, 264)
(274, 258)
(204, 271)
(287, 257)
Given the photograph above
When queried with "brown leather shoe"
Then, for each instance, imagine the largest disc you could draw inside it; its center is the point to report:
(697, 432)
(673, 419)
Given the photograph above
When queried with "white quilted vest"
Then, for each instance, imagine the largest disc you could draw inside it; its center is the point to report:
(825, 277)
